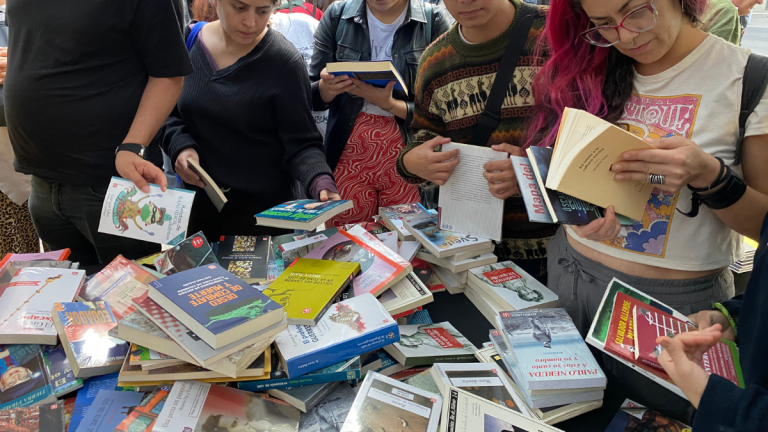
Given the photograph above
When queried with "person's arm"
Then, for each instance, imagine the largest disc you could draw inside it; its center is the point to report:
(725, 407)
(325, 87)
(724, 22)
(179, 146)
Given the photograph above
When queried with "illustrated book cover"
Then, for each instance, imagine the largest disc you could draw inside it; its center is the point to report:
(329, 415)
(444, 243)
(633, 417)
(23, 377)
(41, 418)
(426, 344)
(63, 380)
(245, 256)
(86, 396)
(192, 252)
(118, 284)
(144, 416)
(395, 216)
(347, 370)
(511, 287)
(304, 214)
(109, 409)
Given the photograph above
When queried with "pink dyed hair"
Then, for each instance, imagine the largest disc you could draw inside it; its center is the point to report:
(579, 74)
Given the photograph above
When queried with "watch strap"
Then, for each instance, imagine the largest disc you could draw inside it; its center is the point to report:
(133, 148)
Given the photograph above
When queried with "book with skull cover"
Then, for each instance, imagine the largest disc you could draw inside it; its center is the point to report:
(511, 287)
(426, 344)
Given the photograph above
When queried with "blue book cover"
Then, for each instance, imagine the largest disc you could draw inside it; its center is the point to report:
(63, 380)
(108, 410)
(214, 298)
(23, 378)
(85, 327)
(303, 210)
(377, 77)
(548, 337)
(342, 371)
(87, 394)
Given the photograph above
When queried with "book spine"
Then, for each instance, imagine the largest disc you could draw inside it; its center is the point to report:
(255, 386)
(334, 353)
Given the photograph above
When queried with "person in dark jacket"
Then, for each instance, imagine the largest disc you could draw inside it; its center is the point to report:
(368, 126)
(722, 406)
(244, 115)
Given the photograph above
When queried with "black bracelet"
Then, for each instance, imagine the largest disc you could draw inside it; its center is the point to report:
(729, 194)
(722, 176)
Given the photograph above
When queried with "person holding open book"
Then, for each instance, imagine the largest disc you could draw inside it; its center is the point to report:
(647, 67)
(367, 125)
(244, 116)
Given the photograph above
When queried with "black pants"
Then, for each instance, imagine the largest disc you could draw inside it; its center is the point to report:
(67, 216)
(236, 218)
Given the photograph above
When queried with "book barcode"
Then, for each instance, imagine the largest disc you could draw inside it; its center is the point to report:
(446, 226)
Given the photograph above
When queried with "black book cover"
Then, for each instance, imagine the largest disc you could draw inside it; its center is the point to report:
(245, 256)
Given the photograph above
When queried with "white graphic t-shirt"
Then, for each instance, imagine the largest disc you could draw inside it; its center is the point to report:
(299, 29)
(382, 36)
(699, 99)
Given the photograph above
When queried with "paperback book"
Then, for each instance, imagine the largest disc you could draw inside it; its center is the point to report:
(304, 214)
(245, 256)
(458, 266)
(308, 286)
(511, 287)
(87, 395)
(347, 370)
(444, 243)
(548, 336)
(23, 377)
(192, 252)
(329, 415)
(137, 327)
(63, 380)
(395, 216)
(635, 417)
(41, 418)
(300, 248)
(348, 329)
(304, 398)
(375, 73)
(211, 189)
(157, 217)
(388, 404)
(219, 307)
(109, 409)
(450, 281)
(144, 416)
(59, 255)
(150, 359)
(131, 376)
(25, 305)
(83, 329)
(431, 343)
(405, 295)
(118, 284)
(192, 404)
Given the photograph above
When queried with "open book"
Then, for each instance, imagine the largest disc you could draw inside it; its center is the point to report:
(585, 149)
(375, 73)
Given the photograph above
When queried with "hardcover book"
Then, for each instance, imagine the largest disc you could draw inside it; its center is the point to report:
(388, 404)
(211, 189)
(443, 243)
(157, 217)
(548, 336)
(329, 415)
(63, 380)
(23, 377)
(25, 305)
(511, 287)
(192, 404)
(229, 360)
(347, 370)
(375, 73)
(465, 412)
(219, 307)
(307, 288)
(377, 270)
(395, 216)
(347, 329)
(431, 343)
(109, 409)
(245, 256)
(41, 418)
(83, 329)
(144, 416)
(192, 252)
(118, 284)
(305, 214)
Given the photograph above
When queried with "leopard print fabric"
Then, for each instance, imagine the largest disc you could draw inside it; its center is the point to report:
(17, 234)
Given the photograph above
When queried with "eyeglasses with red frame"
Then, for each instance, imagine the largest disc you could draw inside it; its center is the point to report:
(639, 20)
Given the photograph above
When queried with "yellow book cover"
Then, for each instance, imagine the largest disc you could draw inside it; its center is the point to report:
(308, 287)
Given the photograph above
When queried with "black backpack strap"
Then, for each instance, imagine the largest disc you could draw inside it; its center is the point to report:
(491, 117)
(753, 86)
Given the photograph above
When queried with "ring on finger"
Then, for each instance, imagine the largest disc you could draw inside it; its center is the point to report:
(656, 179)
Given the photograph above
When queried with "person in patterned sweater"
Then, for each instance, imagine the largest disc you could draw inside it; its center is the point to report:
(455, 76)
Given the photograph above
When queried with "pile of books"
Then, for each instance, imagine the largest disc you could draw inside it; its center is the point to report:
(746, 263)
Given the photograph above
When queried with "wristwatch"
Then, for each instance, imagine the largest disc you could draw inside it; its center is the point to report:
(133, 148)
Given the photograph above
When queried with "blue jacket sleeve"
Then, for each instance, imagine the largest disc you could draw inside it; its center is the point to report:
(724, 407)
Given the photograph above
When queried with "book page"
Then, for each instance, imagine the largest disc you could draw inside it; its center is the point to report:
(466, 205)
(577, 126)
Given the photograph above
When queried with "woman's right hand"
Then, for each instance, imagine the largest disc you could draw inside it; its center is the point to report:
(603, 229)
(183, 170)
(331, 85)
(425, 162)
(708, 318)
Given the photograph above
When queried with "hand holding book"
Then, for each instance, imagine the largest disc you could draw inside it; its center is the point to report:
(184, 171)
(683, 360)
(502, 182)
(332, 85)
(708, 318)
(602, 229)
(435, 166)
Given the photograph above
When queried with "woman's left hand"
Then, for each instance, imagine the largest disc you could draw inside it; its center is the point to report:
(381, 97)
(681, 161)
(326, 195)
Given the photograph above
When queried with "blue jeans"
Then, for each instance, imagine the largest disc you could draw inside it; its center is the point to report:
(67, 216)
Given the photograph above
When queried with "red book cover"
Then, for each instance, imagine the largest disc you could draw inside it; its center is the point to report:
(651, 323)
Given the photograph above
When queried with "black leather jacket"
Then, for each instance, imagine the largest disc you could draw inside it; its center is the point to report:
(343, 36)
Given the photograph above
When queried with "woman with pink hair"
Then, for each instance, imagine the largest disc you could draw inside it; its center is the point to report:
(646, 66)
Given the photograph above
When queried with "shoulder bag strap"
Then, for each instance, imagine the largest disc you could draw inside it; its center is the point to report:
(754, 83)
(429, 9)
(193, 34)
(491, 117)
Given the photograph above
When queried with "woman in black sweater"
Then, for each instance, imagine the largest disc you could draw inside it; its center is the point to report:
(245, 116)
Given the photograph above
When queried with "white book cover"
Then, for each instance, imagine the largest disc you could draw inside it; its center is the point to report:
(408, 249)
(384, 404)
(26, 303)
(192, 404)
(157, 217)
(466, 205)
(481, 379)
(389, 239)
(425, 344)
(509, 284)
(349, 328)
(465, 412)
(408, 293)
(443, 243)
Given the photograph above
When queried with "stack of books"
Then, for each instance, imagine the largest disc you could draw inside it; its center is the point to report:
(746, 263)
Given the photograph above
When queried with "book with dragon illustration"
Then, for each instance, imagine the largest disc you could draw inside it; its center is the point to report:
(511, 287)
(426, 344)
(347, 329)
(245, 256)
(83, 329)
(157, 217)
(380, 267)
(215, 304)
(443, 243)
(303, 214)
(308, 286)
(25, 305)
(23, 378)
(118, 284)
